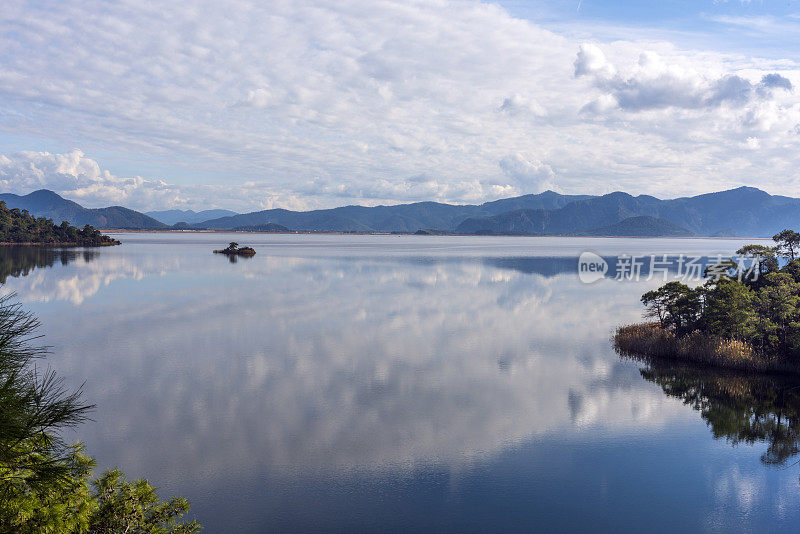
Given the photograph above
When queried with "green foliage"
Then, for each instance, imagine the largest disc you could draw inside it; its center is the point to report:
(676, 306)
(767, 263)
(793, 268)
(777, 314)
(18, 226)
(728, 310)
(62, 504)
(73, 504)
(45, 484)
(134, 507)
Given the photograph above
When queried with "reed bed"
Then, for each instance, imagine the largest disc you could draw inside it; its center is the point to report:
(651, 340)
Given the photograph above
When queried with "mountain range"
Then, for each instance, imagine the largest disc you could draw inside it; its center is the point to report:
(745, 211)
(400, 218)
(188, 216)
(45, 203)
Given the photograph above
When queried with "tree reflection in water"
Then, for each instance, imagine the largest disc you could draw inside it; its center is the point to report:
(16, 261)
(740, 407)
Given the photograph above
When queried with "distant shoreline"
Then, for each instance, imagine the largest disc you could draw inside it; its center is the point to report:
(63, 244)
(157, 231)
(613, 215)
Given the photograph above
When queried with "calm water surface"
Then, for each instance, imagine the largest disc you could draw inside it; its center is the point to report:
(350, 383)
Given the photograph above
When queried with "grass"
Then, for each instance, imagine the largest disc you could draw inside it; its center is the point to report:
(652, 340)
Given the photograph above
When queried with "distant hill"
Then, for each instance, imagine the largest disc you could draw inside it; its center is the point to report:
(269, 227)
(745, 211)
(428, 231)
(44, 203)
(642, 226)
(741, 212)
(548, 200)
(170, 217)
(400, 218)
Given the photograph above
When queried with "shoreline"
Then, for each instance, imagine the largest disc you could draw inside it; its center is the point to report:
(650, 340)
(60, 244)
(157, 231)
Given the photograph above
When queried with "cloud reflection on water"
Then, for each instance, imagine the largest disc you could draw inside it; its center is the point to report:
(313, 363)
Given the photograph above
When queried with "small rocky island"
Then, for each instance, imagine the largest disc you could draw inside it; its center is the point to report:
(18, 227)
(234, 249)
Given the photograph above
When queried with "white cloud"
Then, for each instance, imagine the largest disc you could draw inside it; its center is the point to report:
(257, 98)
(517, 104)
(530, 173)
(654, 84)
(592, 61)
(416, 345)
(78, 177)
(81, 179)
(269, 99)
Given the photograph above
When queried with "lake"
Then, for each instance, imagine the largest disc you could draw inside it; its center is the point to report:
(395, 383)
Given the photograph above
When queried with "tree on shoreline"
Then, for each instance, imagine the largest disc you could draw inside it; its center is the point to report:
(19, 226)
(767, 262)
(676, 306)
(788, 241)
(760, 309)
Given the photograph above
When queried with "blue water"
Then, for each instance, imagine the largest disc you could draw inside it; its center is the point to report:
(352, 383)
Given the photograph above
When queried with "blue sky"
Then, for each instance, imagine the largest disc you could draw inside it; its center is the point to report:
(317, 103)
(680, 16)
(767, 28)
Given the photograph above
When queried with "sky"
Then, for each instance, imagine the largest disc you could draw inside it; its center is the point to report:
(303, 104)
